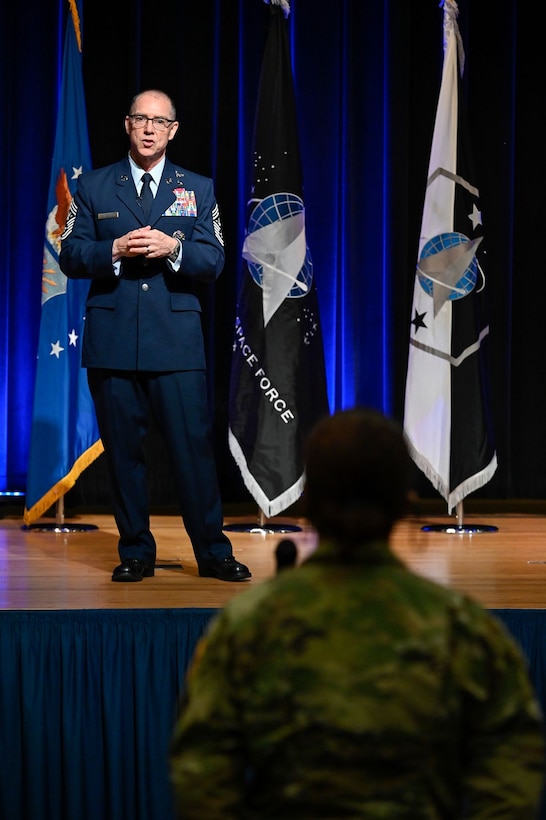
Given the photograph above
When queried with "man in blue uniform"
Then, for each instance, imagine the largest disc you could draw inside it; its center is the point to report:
(145, 231)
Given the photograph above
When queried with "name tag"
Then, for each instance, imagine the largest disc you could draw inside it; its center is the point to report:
(108, 215)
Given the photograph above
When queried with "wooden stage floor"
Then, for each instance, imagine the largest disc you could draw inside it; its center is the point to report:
(59, 571)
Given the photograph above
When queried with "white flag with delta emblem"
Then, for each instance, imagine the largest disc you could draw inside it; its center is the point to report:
(447, 418)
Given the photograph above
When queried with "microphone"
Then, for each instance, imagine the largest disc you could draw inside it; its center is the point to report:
(286, 554)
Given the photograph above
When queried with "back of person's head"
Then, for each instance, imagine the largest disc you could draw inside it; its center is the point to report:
(358, 471)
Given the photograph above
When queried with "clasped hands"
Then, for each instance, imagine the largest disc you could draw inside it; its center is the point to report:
(146, 242)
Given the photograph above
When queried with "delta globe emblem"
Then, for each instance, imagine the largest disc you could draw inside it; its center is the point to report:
(275, 208)
(466, 283)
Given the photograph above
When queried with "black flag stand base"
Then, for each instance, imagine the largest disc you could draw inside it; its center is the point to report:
(60, 525)
(262, 527)
(460, 528)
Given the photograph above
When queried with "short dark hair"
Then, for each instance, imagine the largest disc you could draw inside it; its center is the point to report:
(357, 474)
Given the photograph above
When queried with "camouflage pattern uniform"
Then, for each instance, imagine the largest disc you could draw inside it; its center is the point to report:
(357, 689)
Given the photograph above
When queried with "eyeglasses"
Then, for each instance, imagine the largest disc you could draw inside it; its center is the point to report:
(159, 123)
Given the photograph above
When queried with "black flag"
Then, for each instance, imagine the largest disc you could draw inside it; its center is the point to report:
(278, 382)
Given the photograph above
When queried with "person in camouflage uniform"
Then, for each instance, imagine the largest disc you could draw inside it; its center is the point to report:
(350, 686)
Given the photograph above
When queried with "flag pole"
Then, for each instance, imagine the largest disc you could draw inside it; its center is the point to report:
(460, 528)
(262, 526)
(60, 525)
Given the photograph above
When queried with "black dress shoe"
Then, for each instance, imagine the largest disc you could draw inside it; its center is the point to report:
(225, 569)
(132, 569)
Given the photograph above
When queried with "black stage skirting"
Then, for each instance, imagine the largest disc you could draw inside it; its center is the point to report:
(88, 699)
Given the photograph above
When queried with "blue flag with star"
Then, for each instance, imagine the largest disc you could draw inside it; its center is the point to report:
(64, 435)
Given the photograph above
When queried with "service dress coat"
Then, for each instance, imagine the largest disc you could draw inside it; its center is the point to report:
(148, 317)
(143, 344)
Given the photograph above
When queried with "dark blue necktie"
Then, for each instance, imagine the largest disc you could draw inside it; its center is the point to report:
(146, 197)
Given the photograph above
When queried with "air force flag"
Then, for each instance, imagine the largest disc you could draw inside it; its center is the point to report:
(64, 437)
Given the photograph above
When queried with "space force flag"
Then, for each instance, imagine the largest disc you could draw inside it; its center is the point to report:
(278, 383)
(447, 418)
(64, 435)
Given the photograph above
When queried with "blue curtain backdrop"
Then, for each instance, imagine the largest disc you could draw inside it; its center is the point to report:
(367, 77)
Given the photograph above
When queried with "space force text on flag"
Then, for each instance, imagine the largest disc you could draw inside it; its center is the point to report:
(278, 382)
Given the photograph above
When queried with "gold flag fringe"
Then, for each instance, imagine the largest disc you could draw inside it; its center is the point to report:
(65, 484)
(76, 21)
